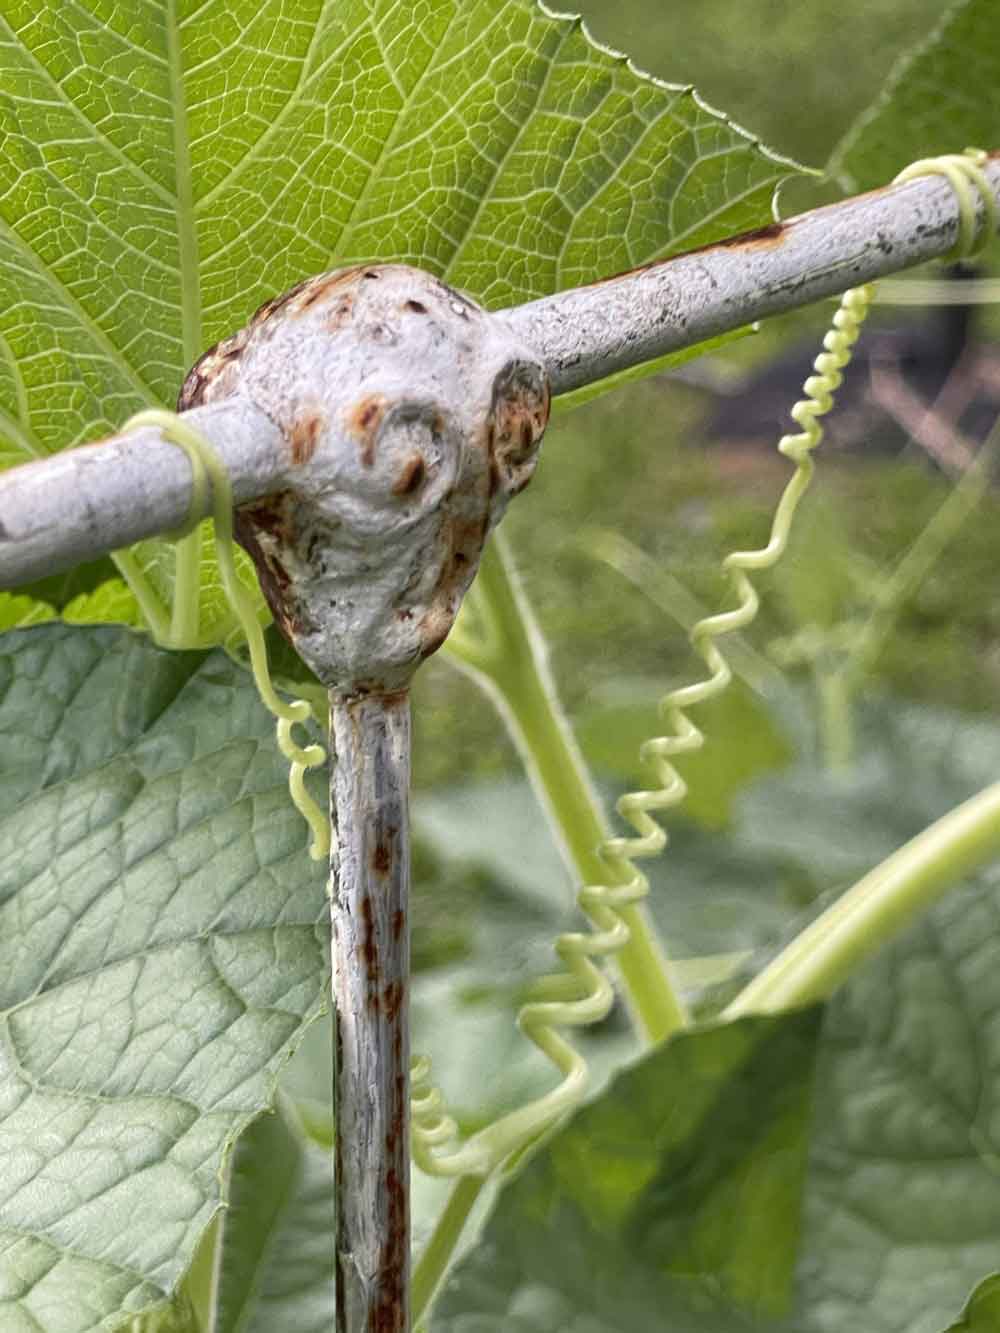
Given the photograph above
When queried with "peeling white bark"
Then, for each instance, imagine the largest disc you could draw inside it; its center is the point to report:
(104, 496)
(588, 333)
(409, 418)
(369, 888)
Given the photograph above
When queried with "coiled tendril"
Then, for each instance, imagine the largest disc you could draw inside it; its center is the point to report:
(582, 995)
(212, 492)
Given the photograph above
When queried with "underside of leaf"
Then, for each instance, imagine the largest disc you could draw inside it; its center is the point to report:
(161, 949)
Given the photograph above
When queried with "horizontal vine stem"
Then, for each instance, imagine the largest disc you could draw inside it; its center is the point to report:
(588, 333)
(864, 918)
(76, 505)
(100, 497)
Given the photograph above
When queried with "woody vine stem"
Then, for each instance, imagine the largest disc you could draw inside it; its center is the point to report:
(366, 481)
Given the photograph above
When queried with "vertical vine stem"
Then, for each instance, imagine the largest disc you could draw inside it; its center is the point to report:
(510, 662)
(369, 886)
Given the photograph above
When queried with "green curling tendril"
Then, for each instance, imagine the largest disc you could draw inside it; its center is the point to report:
(962, 171)
(582, 995)
(212, 494)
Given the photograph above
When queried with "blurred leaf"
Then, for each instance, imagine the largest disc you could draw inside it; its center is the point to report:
(275, 1260)
(496, 825)
(510, 895)
(709, 894)
(666, 1203)
(901, 1203)
(111, 603)
(59, 589)
(741, 742)
(667, 592)
(794, 72)
(941, 98)
(982, 1314)
(901, 1194)
(912, 763)
(18, 611)
(160, 953)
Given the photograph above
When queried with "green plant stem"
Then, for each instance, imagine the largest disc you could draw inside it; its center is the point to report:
(825, 954)
(515, 671)
(915, 566)
(187, 579)
(434, 1260)
(836, 718)
(155, 613)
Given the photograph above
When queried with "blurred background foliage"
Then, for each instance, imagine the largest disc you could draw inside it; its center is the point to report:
(683, 468)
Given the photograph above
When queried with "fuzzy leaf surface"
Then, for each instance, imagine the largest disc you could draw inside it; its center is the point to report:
(160, 951)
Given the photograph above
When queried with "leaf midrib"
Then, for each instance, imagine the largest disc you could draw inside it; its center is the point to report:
(187, 238)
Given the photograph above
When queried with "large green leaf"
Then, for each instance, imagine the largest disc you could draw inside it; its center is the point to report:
(161, 949)
(982, 1314)
(169, 166)
(939, 99)
(275, 1262)
(668, 1203)
(687, 1168)
(902, 1210)
(901, 1198)
(709, 894)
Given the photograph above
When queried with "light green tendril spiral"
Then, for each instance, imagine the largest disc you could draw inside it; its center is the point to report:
(582, 995)
(962, 171)
(212, 494)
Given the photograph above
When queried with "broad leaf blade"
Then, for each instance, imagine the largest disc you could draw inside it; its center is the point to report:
(942, 98)
(160, 951)
(168, 167)
(19, 611)
(903, 1201)
(901, 1194)
(275, 1259)
(671, 1201)
(982, 1314)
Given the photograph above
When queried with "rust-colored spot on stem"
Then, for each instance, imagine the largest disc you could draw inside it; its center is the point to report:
(304, 436)
(369, 944)
(387, 1314)
(760, 238)
(392, 1000)
(363, 421)
(411, 477)
(381, 858)
(763, 238)
(264, 528)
